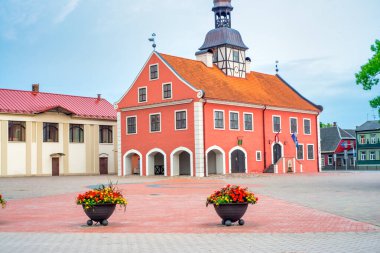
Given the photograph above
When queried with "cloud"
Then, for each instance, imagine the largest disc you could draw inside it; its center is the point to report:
(66, 10)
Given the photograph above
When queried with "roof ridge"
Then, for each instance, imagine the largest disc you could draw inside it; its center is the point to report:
(347, 132)
(51, 93)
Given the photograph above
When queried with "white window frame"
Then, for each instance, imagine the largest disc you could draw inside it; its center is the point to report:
(126, 124)
(158, 72)
(361, 156)
(373, 139)
(303, 152)
(175, 120)
(372, 156)
(224, 119)
(171, 91)
(304, 126)
(253, 120)
(229, 120)
(259, 153)
(273, 123)
(307, 147)
(290, 124)
(328, 159)
(146, 94)
(150, 123)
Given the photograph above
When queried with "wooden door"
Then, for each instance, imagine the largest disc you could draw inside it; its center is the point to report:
(55, 166)
(238, 161)
(103, 165)
(277, 153)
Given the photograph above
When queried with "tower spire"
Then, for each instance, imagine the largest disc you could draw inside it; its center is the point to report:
(222, 10)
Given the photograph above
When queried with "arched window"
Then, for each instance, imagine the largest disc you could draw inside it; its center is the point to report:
(76, 133)
(105, 134)
(50, 132)
(16, 131)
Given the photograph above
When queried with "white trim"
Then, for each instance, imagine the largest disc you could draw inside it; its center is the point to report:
(307, 148)
(290, 124)
(319, 149)
(118, 129)
(146, 94)
(303, 121)
(229, 120)
(175, 120)
(129, 152)
(183, 149)
(261, 158)
(246, 158)
(274, 108)
(143, 107)
(155, 150)
(221, 102)
(150, 125)
(273, 124)
(282, 150)
(328, 159)
(126, 124)
(224, 119)
(171, 91)
(212, 148)
(253, 121)
(199, 151)
(158, 71)
(303, 152)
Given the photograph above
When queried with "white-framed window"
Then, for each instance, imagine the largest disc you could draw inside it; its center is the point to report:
(330, 159)
(307, 126)
(276, 124)
(181, 120)
(323, 160)
(248, 121)
(362, 139)
(372, 155)
(234, 120)
(373, 138)
(143, 94)
(300, 152)
(258, 156)
(132, 125)
(155, 122)
(310, 151)
(219, 119)
(293, 125)
(363, 155)
(167, 91)
(236, 56)
(153, 72)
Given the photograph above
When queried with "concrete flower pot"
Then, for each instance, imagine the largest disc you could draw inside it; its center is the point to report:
(231, 212)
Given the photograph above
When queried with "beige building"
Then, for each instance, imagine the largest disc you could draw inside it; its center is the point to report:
(44, 134)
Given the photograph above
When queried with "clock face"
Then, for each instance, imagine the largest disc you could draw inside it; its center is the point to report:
(236, 69)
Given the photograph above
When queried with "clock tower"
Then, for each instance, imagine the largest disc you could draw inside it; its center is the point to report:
(225, 43)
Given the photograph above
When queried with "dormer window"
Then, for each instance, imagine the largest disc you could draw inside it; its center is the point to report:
(236, 56)
(153, 70)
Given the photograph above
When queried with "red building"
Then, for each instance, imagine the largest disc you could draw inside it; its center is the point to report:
(213, 115)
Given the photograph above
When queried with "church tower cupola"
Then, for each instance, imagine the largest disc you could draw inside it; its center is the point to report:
(226, 44)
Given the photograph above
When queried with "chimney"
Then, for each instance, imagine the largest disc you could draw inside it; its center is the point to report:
(334, 124)
(205, 56)
(247, 65)
(36, 87)
(99, 96)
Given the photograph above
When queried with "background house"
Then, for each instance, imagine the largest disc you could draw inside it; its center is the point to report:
(335, 143)
(368, 137)
(53, 134)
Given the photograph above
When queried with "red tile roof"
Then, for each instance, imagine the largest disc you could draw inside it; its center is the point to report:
(256, 88)
(29, 102)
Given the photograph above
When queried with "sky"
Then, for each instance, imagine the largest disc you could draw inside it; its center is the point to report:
(86, 47)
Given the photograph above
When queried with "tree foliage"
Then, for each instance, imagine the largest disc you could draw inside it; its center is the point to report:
(325, 125)
(369, 74)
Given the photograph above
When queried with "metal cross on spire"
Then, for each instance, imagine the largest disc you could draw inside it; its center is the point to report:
(277, 62)
(153, 40)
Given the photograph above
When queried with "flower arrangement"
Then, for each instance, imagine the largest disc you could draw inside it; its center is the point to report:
(102, 195)
(232, 194)
(2, 201)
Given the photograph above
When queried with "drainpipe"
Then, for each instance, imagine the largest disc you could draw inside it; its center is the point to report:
(264, 151)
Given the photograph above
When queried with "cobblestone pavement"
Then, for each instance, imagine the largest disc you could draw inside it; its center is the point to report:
(328, 212)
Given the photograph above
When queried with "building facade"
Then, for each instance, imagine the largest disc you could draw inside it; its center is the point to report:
(213, 115)
(368, 139)
(44, 134)
(338, 147)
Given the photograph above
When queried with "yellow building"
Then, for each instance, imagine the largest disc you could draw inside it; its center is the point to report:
(44, 134)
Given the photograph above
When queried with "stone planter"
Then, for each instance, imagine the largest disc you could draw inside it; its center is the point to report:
(99, 213)
(231, 212)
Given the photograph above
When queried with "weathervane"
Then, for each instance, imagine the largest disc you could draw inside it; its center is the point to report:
(152, 39)
(277, 67)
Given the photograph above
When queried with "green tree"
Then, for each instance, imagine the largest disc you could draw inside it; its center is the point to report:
(325, 125)
(369, 74)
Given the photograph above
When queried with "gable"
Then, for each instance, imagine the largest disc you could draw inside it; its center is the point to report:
(180, 89)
